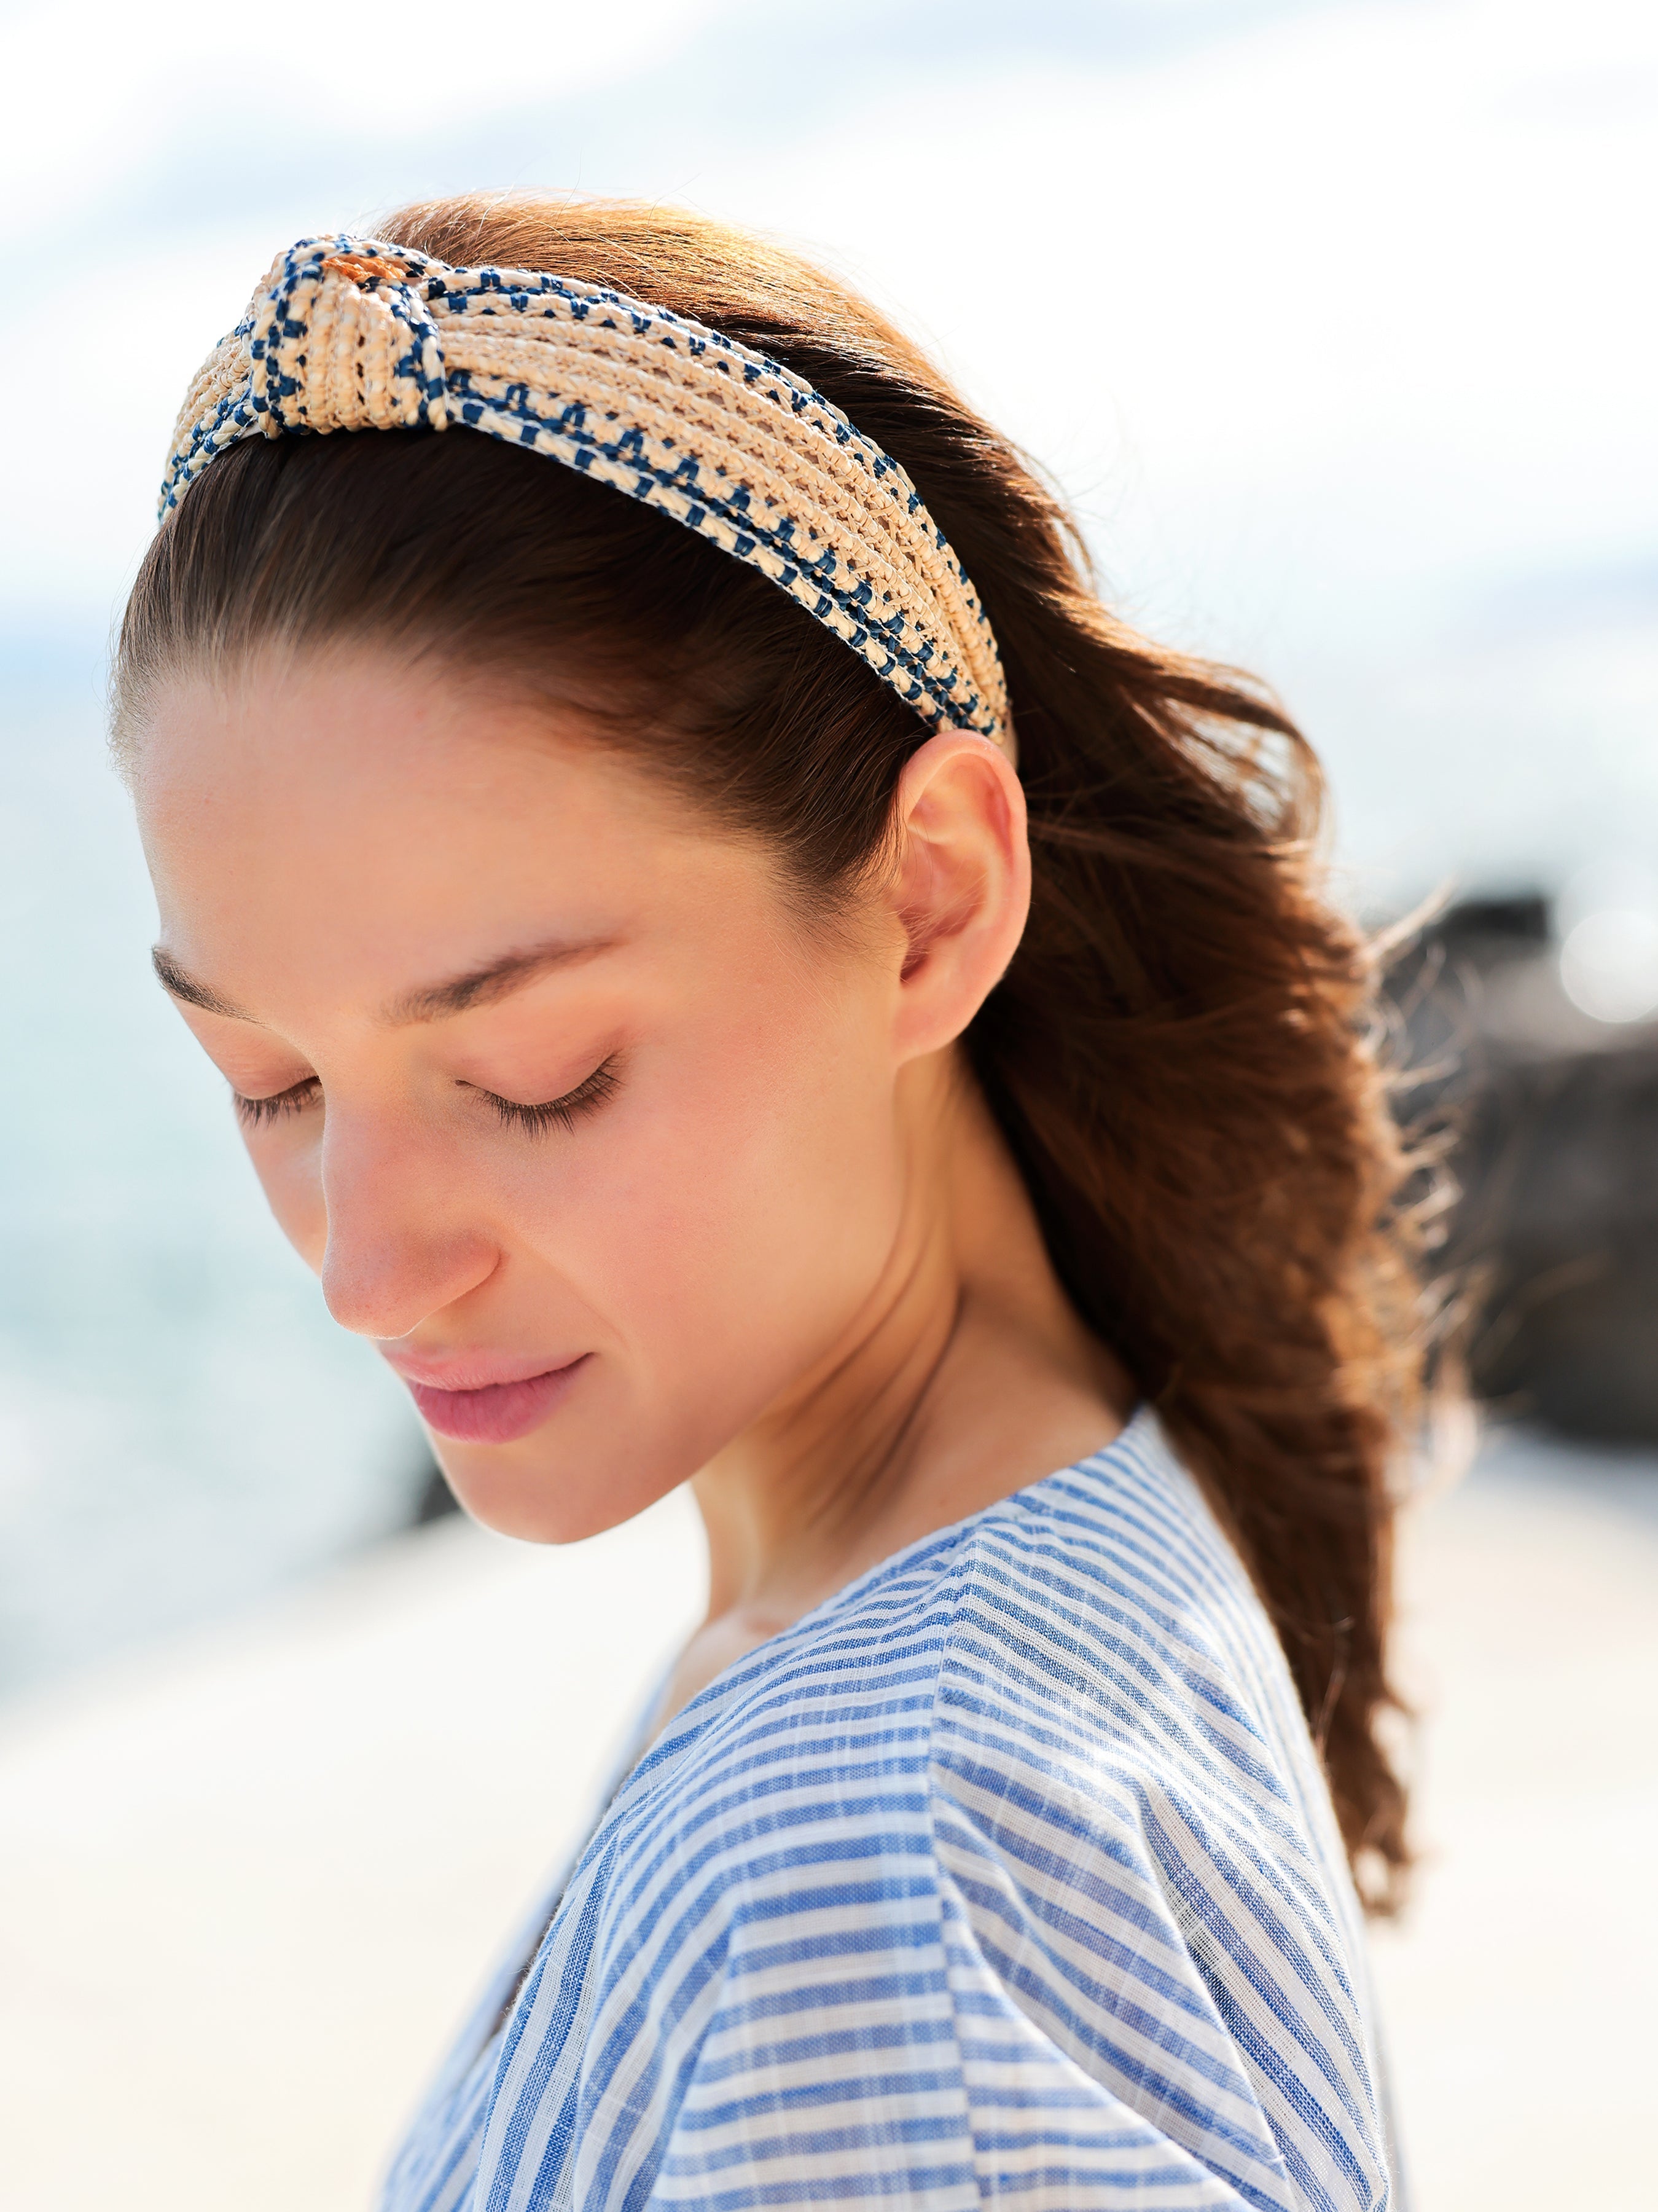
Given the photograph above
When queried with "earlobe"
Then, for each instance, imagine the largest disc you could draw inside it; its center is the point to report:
(961, 889)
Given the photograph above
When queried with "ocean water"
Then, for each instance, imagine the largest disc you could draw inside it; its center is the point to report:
(181, 1426)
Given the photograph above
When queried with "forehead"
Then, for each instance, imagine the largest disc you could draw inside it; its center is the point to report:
(370, 821)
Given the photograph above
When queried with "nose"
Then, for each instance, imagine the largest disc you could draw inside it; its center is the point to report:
(403, 1242)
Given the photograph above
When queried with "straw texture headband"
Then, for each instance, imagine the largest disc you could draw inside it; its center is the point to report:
(347, 334)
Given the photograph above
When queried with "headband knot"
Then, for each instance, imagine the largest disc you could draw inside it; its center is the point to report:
(350, 334)
(341, 339)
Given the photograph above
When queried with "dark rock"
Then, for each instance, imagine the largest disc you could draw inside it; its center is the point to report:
(1554, 1118)
(1560, 1167)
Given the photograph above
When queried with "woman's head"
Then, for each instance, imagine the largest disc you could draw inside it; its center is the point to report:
(400, 707)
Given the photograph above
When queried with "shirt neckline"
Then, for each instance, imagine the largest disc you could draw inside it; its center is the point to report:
(1141, 1423)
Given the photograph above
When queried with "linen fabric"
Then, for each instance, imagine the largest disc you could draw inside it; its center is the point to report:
(350, 334)
(1008, 1875)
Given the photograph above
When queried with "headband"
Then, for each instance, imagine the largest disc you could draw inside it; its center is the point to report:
(348, 334)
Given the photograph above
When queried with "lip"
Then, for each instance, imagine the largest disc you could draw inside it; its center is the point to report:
(495, 1412)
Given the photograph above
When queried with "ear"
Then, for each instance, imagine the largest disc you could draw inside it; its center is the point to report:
(960, 889)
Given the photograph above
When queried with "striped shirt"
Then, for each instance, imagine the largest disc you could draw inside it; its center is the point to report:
(1007, 1875)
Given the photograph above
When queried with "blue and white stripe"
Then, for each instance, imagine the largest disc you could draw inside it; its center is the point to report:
(1008, 1875)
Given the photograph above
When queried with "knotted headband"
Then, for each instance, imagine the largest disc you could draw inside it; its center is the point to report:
(347, 334)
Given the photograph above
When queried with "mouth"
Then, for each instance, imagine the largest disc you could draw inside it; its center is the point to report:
(499, 1412)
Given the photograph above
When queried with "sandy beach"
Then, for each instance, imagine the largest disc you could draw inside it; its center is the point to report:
(248, 1881)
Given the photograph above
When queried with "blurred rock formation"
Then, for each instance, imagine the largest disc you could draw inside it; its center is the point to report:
(1553, 1117)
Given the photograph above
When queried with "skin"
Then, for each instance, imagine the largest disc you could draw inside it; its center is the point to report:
(786, 1244)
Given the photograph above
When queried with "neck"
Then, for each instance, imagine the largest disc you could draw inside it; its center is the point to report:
(964, 1376)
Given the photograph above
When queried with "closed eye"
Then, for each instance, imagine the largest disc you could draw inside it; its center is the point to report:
(251, 1112)
(562, 1112)
(565, 1112)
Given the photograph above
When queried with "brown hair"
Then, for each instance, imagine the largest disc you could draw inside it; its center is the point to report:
(1180, 1055)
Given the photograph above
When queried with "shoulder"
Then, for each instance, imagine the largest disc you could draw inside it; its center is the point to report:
(1100, 1615)
(1088, 1657)
(1107, 1633)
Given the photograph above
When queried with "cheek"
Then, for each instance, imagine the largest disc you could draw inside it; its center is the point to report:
(739, 1212)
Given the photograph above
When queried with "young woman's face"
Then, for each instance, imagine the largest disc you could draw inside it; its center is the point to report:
(595, 1143)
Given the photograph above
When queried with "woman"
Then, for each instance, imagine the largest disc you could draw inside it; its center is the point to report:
(734, 967)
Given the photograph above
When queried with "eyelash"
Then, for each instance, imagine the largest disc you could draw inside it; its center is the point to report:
(251, 1112)
(563, 1113)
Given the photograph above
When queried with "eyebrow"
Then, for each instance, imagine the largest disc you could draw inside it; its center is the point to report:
(430, 1002)
(497, 979)
(172, 978)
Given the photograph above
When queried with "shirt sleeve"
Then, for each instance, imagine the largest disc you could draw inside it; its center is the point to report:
(985, 2021)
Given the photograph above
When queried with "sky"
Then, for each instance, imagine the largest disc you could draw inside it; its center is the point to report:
(1336, 321)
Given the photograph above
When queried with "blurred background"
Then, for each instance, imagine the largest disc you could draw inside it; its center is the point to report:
(1335, 320)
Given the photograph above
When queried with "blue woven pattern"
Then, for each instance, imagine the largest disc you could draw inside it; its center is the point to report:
(347, 334)
(1009, 1875)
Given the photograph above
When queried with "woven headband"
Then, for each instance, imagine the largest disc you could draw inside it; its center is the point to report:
(347, 334)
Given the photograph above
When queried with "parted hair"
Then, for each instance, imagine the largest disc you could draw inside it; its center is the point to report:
(1182, 1055)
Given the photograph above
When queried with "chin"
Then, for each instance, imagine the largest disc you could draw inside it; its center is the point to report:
(545, 1496)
